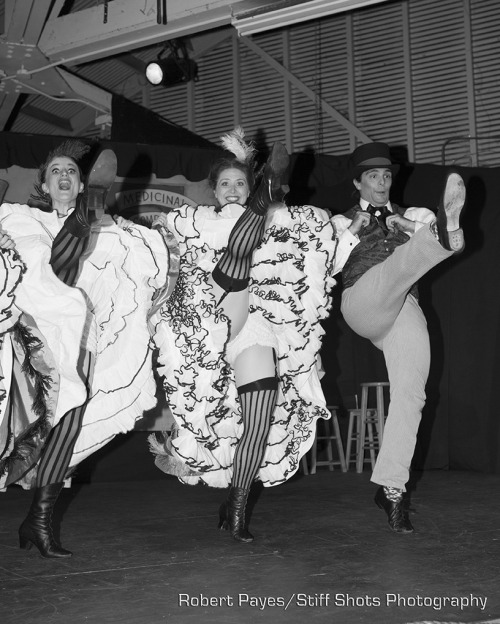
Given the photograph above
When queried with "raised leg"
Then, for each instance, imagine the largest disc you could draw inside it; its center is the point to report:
(372, 304)
(232, 272)
(73, 238)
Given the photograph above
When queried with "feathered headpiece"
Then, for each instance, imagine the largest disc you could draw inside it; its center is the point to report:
(234, 142)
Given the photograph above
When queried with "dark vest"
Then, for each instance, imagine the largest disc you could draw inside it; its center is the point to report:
(375, 245)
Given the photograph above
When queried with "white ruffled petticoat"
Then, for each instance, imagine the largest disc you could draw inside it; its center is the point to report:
(44, 324)
(289, 294)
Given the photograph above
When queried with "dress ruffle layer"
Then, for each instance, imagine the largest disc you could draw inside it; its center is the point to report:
(106, 314)
(289, 295)
(120, 276)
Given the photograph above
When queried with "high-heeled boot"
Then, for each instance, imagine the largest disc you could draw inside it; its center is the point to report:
(37, 529)
(232, 515)
(269, 190)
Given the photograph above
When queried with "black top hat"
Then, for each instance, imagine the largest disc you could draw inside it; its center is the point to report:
(371, 156)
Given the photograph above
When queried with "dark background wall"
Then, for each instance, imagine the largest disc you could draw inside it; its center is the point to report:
(460, 428)
(461, 424)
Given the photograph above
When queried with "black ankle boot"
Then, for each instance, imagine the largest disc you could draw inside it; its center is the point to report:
(36, 529)
(396, 514)
(232, 515)
(269, 190)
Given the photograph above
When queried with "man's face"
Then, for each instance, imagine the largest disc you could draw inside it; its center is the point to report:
(375, 186)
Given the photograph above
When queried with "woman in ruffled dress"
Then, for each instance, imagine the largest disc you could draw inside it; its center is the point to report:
(75, 291)
(239, 338)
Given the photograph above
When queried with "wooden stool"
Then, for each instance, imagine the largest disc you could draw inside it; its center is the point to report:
(332, 433)
(354, 435)
(373, 443)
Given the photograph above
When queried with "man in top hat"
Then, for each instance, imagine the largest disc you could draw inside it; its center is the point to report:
(382, 252)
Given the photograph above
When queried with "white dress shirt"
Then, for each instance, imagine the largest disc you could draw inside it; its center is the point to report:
(347, 240)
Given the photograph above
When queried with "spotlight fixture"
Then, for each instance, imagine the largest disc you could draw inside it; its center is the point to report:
(176, 68)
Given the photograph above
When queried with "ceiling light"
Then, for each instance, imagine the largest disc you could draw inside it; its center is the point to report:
(174, 69)
(154, 72)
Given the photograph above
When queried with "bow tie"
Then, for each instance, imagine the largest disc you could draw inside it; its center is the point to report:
(378, 211)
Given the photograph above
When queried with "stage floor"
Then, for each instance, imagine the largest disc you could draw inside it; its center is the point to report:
(147, 552)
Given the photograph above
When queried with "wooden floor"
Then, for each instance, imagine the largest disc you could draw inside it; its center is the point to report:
(147, 552)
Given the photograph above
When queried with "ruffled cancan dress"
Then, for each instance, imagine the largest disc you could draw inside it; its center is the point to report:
(289, 294)
(45, 325)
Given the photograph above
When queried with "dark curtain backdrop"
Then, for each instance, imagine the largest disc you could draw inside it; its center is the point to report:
(461, 422)
(178, 154)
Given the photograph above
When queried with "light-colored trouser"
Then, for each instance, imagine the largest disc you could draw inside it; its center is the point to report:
(379, 308)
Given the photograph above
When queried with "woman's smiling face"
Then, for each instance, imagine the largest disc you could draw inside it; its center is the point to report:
(232, 187)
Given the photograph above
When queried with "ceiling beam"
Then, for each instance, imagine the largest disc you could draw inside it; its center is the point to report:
(38, 40)
(84, 119)
(249, 20)
(24, 21)
(132, 62)
(25, 69)
(36, 21)
(16, 17)
(61, 123)
(7, 104)
(7, 14)
(206, 42)
(56, 8)
(90, 34)
(84, 35)
(93, 96)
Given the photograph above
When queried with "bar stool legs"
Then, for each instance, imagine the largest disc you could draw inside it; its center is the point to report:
(366, 426)
(365, 430)
(370, 440)
(330, 435)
